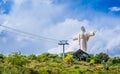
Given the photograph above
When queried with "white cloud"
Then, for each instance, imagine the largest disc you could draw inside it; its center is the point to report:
(106, 39)
(32, 16)
(116, 9)
(65, 29)
(29, 16)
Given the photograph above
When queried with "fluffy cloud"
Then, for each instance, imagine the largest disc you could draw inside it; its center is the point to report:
(28, 16)
(116, 9)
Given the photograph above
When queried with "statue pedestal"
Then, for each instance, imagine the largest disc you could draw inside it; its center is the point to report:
(81, 55)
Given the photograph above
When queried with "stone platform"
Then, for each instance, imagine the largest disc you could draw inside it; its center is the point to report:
(81, 55)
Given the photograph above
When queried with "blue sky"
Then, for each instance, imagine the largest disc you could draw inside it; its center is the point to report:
(59, 19)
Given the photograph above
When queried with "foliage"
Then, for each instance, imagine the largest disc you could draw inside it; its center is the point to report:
(47, 63)
(88, 59)
(101, 57)
(2, 58)
(32, 57)
(115, 60)
(92, 62)
(97, 60)
(16, 59)
(68, 58)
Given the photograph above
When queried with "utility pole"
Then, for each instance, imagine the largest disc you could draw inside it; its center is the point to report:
(63, 42)
(107, 52)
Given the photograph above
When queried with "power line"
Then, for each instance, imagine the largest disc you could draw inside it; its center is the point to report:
(40, 37)
(61, 42)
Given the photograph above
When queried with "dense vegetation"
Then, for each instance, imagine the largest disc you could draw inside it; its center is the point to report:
(46, 63)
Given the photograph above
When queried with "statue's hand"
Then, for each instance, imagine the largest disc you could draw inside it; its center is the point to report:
(94, 32)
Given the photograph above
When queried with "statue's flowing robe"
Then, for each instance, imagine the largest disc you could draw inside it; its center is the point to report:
(82, 38)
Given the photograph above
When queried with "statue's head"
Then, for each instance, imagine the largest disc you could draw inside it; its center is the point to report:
(83, 29)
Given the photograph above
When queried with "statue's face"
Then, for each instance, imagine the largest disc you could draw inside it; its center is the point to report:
(83, 29)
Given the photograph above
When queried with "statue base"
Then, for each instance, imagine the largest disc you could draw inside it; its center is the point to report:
(81, 55)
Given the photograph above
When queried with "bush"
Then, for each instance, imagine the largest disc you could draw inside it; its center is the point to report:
(2, 58)
(68, 58)
(82, 70)
(92, 62)
(97, 60)
(88, 59)
(16, 59)
(32, 57)
(76, 67)
(112, 61)
(48, 70)
(115, 60)
(103, 56)
(15, 70)
(54, 64)
(46, 63)
(43, 57)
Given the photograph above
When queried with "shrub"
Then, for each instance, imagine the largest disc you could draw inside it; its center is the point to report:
(2, 58)
(54, 64)
(68, 58)
(115, 60)
(76, 67)
(16, 59)
(43, 57)
(32, 57)
(97, 60)
(15, 70)
(88, 59)
(82, 70)
(48, 70)
(103, 56)
(92, 61)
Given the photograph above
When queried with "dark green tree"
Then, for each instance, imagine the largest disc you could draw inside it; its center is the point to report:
(115, 60)
(103, 57)
(2, 58)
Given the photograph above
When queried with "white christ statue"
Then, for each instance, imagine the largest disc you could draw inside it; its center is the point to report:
(83, 38)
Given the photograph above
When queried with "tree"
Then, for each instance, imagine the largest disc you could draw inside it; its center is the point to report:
(2, 58)
(16, 59)
(97, 59)
(103, 57)
(115, 60)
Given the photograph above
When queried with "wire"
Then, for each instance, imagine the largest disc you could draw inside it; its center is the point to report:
(40, 37)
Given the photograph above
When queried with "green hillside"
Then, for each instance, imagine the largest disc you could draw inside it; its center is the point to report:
(46, 63)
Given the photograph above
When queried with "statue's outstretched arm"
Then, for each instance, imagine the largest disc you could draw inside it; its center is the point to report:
(75, 38)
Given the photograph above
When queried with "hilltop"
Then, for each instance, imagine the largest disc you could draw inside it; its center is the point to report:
(47, 63)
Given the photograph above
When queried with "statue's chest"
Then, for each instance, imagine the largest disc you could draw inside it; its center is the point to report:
(83, 36)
